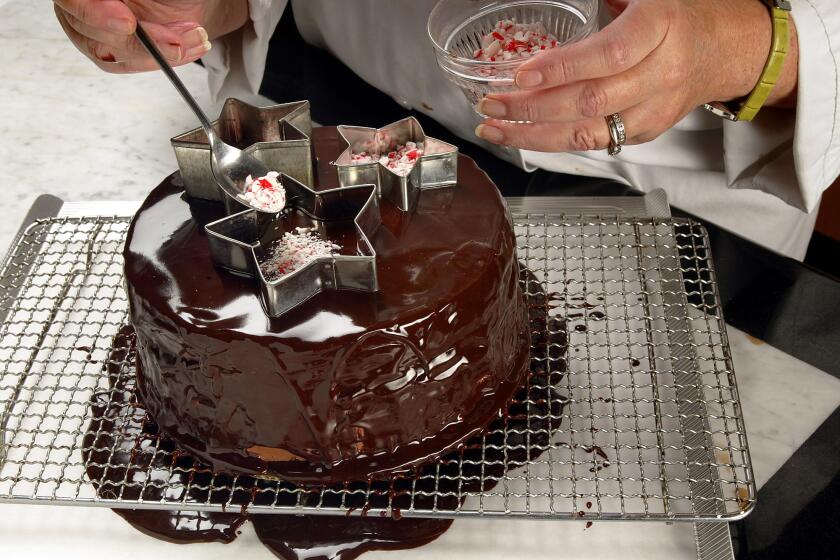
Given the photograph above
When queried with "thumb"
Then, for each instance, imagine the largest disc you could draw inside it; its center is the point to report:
(172, 34)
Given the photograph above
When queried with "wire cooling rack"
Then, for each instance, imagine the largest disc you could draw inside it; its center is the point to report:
(630, 411)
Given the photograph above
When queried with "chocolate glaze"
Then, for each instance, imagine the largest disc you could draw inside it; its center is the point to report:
(122, 437)
(347, 385)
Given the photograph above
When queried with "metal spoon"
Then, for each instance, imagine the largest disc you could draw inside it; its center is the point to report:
(230, 166)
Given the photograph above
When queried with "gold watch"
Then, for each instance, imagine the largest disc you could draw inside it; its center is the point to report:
(747, 110)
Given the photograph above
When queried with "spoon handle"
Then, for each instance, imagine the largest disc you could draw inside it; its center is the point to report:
(176, 81)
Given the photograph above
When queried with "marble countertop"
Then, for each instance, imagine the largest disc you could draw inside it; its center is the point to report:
(69, 130)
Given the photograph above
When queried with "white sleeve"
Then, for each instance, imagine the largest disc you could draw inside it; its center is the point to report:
(236, 64)
(796, 156)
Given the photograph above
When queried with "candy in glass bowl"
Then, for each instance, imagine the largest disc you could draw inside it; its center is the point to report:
(480, 44)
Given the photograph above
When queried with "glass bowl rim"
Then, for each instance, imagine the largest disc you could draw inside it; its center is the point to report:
(481, 63)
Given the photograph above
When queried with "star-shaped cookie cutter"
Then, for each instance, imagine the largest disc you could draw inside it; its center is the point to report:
(279, 136)
(437, 167)
(242, 243)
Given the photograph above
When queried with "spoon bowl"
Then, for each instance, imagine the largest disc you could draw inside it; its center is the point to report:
(231, 166)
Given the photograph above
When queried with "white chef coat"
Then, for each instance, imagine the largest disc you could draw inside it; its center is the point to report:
(763, 180)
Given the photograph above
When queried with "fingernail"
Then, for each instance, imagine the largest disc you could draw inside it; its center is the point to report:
(121, 26)
(199, 51)
(171, 51)
(529, 79)
(490, 133)
(195, 37)
(492, 108)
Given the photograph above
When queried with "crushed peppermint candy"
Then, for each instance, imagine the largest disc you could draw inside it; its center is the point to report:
(265, 193)
(510, 41)
(400, 159)
(296, 250)
(362, 158)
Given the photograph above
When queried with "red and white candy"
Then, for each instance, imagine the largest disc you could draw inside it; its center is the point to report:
(265, 193)
(362, 158)
(510, 41)
(295, 250)
(401, 159)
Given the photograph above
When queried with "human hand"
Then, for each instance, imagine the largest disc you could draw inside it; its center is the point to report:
(104, 29)
(656, 62)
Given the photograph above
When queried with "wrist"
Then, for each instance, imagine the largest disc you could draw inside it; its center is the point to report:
(225, 16)
(743, 34)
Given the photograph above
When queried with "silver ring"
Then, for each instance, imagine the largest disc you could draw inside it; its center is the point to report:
(618, 134)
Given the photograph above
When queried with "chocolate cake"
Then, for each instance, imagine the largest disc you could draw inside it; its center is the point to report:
(348, 385)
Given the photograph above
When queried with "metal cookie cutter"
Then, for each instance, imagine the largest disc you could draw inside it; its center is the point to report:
(279, 136)
(242, 243)
(437, 167)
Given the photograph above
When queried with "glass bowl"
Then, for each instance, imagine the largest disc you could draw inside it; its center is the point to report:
(456, 28)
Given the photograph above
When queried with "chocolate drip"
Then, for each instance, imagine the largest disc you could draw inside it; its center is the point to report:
(184, 527)
(339, 538)
(121, 446)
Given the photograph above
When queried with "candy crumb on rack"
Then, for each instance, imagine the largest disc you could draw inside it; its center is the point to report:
(510, 40)
(265, 193)
(294, 251)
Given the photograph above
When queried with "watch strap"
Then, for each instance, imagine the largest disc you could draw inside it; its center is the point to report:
(772, 68)
(780, 44)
